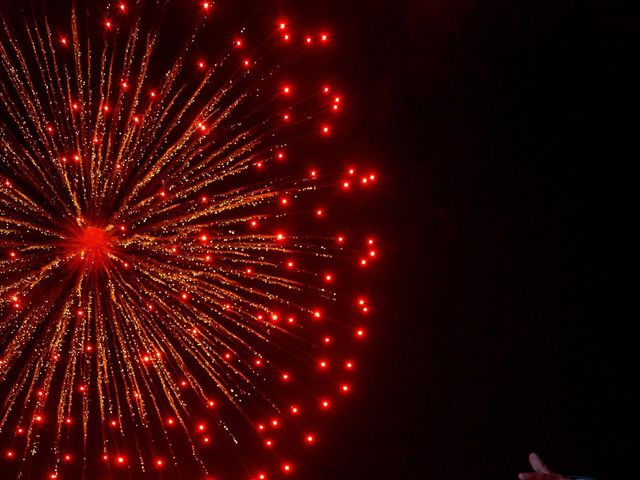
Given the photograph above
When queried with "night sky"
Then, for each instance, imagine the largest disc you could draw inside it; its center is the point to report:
(505, 130)
(502, 131)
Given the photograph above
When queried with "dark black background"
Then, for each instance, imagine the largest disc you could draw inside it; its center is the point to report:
(504, 135)
(507, 133)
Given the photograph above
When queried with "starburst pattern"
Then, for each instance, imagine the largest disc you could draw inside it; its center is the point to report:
(169, 279)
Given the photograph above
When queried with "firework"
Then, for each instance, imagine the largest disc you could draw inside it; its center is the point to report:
(171, 288)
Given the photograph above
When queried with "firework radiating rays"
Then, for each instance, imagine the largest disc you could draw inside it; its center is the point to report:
(168, 282)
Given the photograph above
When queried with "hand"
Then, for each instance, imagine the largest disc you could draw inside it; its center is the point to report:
(540, 471)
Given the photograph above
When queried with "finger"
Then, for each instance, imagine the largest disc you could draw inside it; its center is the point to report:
(537, 464)
(540, 476)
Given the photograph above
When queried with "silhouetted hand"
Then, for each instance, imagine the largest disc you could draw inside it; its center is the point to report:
(540, 471)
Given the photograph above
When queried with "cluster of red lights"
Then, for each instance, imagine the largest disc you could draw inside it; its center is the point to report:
(203, 240)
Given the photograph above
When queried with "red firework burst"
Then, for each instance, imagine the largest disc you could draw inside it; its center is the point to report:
(172, 287)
